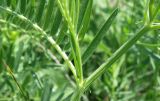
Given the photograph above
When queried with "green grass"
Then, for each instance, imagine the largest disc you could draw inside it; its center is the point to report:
(55, 50)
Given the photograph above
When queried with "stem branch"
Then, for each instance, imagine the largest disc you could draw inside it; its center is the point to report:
(114, 57)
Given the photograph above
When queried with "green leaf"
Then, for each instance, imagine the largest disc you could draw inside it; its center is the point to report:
(62, 33)
(15, 80)
(40, 10)
(72, 9)
(156, 9)
(23, 5)
(49, 12)
(84, 18)
(18, 55)
(73, 40)
(93, 45)
(30, 9)
(77, 5)
(151, 7)
(8, 2)
(115, 56)
(56, 23)
(74, 12)
(76, 56)
(47, 92)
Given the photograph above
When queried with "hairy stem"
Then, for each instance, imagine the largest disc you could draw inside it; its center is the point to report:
(74, 41)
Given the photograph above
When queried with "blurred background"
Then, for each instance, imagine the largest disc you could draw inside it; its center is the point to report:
(41, 71)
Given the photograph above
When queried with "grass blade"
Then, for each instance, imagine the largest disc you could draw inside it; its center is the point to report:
(18, 55)
(151, 6)
(72, 9)
(8, 2)
(14, 78)
(48, 13)
(93, 45)
(56, 23)
(157, 9)
(47, 92)
(62, 33)
(40, 10)
(23, 5)
(85, 13)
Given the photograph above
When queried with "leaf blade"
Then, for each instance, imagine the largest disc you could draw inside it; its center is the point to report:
(84, 20)
(93, 45)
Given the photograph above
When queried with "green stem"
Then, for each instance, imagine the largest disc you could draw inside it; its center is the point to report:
(77, 95)
(155, 26)
(74, 42)
(96, 74)
(14, 78)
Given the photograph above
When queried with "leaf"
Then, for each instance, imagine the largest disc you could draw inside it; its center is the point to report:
(151, 6)
(30, 9)
(84, 19)
(49, 12)
(23, 5)
(72, 9)
(1, 54)
(40, 10)
(15, 80)
(101, 69)
(93, 45)
(56, 23)
(73, 40)
(8, 2)
(18, 55)
(62, 33)
(145, 50)
(47, 92)
(157, 9)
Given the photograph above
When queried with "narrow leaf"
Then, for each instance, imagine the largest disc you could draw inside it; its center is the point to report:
(76, 56)
(84, 19)
(56, 23)
(151, 6)
(62, 33)
(72, 10)
(23, 5)
(18, 55)
(8, 2)
(40, 10)
(14, 78)
(47, 92)
(30, 9)
(49, 12)
(157, 9)
(93, 45)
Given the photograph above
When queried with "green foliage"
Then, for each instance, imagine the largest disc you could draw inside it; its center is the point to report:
(54, 50)
(93, 45)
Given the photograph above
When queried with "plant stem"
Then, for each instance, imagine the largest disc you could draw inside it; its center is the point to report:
(14, 78)
(155, 26)
(74, 42)
(115, 57)
(77, 95)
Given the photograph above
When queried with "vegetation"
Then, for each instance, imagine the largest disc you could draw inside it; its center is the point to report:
(79, 50)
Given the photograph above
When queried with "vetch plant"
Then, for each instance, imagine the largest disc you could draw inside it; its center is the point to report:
(71, 18)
